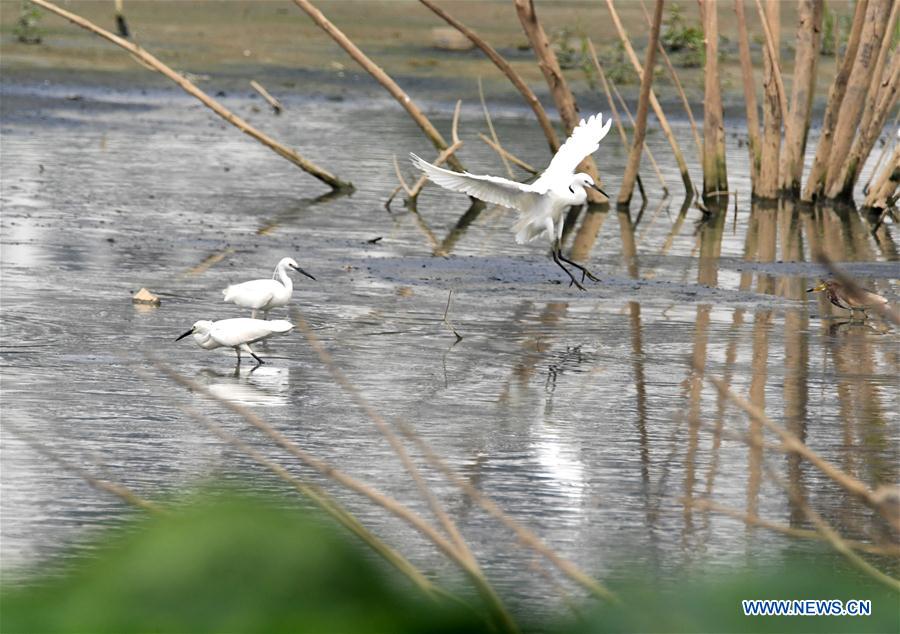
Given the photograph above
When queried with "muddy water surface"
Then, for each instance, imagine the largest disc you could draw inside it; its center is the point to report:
(585, 415)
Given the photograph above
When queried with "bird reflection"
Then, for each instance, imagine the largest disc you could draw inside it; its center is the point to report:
(260, 386)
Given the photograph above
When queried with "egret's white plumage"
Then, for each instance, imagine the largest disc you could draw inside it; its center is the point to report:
(540, 204)
(265, 295)
(236, 333)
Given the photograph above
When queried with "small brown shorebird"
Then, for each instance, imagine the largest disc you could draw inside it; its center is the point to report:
(843, 297)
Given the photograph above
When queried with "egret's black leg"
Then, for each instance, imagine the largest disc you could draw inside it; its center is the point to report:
(555, 253)
(258, 360)
(584, 270)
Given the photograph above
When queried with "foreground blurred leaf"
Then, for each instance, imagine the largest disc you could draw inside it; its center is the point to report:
(228, 564)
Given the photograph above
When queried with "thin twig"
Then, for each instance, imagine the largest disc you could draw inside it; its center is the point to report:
(265, 94)
(443, 156)
(490, 125)
(459, 337)
(503, 152)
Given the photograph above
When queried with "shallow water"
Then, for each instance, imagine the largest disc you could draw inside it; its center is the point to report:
(579, 413)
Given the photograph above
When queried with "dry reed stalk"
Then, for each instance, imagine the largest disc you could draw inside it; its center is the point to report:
(881, 155)
(649, 152)
(657, 109)
(792, 443)
(774, 104)
(490, 125)
(796, 123)
(265, 94)
(612, 104)
(640, 130)
(679, 88)
(562, 96)
(755, 520)
(504, 66)
(874, 119)
(615, 114)
(524, 535)
(499, 149)
(855, 98)
(444, 156)
(770, 19)
(382, 77)
(383, 500)
(324, 501)
(626, 110)
(832, 536)
(755, 142)
(121, 24)
(151, 62)
(815, 182)
(464, 554)
(715, 175)
(119, 490)
(882, 192)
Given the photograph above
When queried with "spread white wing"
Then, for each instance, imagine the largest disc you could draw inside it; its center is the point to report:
(585, 140)
(492, 189)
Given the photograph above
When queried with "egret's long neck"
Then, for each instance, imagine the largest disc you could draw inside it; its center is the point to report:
(284, 278)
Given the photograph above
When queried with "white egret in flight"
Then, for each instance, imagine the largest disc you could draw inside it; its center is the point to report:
(540, 204)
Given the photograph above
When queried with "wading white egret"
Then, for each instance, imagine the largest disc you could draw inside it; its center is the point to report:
(265, 295)
(236, 333)
(540, 204)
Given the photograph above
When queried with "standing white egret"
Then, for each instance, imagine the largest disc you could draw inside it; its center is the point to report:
(265, 295)
(540, 204)
(236, 333)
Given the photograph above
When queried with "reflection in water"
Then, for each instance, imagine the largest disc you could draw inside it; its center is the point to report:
(584, 414)
(260, 386)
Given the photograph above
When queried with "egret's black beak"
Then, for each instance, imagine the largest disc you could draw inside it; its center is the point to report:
(601, 191)
(299, 270)
(189, 332)
(810, 290)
